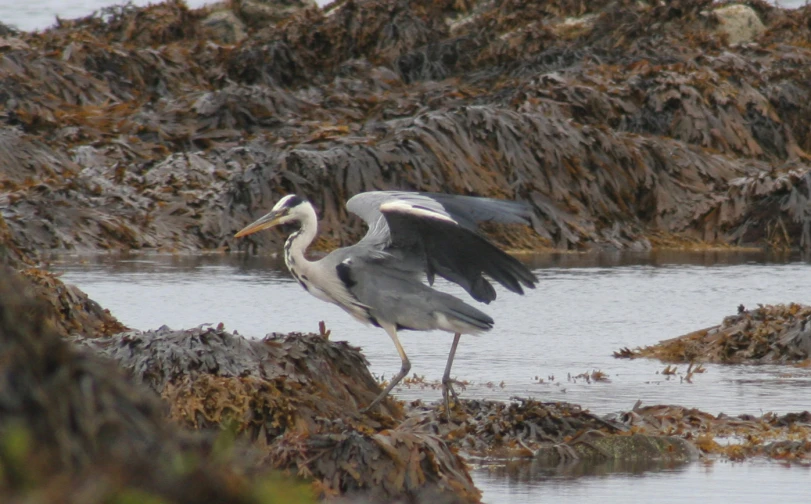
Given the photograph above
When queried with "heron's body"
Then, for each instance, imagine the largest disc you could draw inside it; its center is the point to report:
(412, 237)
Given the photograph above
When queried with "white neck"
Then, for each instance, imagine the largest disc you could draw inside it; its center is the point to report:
(297, 243)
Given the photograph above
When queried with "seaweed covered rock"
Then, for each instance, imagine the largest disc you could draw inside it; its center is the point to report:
(296, 397)
(393, 464)
(624, 124)
(781, 437)
(323, 378)
(547, 433)
(75, 429)
(71, 310)
(767, 334)
(554, 435)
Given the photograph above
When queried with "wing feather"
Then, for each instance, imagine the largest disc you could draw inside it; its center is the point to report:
(439, 233)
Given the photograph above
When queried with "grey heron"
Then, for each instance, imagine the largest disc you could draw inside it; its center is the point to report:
(412, 237)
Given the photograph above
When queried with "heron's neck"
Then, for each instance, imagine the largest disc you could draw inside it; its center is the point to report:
(297, 243)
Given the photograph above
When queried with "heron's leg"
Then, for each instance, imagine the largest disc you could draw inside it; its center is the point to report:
(404, 369)
(447, 383)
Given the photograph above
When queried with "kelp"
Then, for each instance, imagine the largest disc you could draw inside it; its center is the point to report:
(71, 311)
(377, 467)
(297, 398)
(766, 334)
(74, 429)
(306, 364)
(619, 122)
(518, 428)
(772, 208)
(779, 437)
(545, 436)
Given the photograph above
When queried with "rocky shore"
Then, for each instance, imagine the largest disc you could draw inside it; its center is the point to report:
(626, 125)
(235, 411)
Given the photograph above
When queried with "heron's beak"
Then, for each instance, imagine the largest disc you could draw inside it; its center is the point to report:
(265, 222)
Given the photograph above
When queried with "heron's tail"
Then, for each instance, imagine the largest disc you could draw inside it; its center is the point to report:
(460, 316)
(478, 320)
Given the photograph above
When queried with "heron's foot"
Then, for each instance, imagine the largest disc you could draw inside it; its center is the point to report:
(447, 391)
(447, 386)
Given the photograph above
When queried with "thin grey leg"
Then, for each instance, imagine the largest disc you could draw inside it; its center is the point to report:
(447, 383)
(404, 369)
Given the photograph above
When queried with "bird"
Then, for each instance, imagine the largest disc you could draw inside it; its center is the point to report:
(386, 279)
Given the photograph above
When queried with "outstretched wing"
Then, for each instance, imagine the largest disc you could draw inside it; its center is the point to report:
(440, 233)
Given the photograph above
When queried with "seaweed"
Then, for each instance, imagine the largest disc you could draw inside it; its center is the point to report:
(619, 122)
(766, 334)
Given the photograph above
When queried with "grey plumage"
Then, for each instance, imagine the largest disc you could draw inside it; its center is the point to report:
(412, 237)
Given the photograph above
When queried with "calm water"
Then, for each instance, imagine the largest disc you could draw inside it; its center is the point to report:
(40, 14)
(584, 309)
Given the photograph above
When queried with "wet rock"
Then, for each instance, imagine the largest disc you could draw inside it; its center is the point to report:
(740, 23)
(565, 436)
(768, 334)
(636, 448)
(771, 208)
(520, 427)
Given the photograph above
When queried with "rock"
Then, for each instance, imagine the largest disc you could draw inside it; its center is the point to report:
(636, 448)
(565, 437)
(225, 27)
(262, 12)
(394, 464)
(739, 22)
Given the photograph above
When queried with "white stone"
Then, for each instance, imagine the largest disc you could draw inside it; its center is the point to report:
(740, 22)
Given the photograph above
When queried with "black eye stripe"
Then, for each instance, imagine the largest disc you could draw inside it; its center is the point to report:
(294, 201)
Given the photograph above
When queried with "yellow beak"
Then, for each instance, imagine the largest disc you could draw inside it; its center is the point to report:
(268, 221)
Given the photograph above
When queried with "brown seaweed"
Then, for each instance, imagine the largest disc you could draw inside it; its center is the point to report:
(75, 429)
(625, 125)
(297, 398)
(767, 334)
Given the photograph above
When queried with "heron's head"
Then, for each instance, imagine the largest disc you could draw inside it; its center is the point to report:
(290, 209)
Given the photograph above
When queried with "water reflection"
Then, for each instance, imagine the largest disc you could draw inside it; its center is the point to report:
(533, 472)
(707, 481)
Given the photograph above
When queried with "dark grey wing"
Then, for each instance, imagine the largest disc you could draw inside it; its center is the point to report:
(440, 232)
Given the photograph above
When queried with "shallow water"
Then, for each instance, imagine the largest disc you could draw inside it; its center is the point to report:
(700, 482)
(584, 309)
